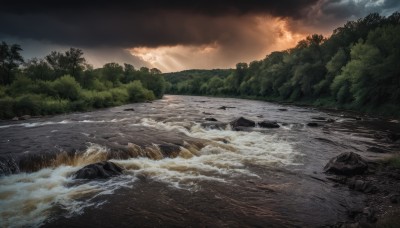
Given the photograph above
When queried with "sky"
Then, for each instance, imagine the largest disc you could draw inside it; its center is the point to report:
(174, 35)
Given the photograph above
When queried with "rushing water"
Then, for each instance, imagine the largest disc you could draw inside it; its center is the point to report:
(178, 169)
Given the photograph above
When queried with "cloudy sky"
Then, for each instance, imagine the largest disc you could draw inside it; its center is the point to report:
(176, 35)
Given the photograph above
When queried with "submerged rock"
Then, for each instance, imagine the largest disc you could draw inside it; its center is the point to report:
(312, 124)
(268, 124)
(214, 125)
(129, 109)
(211, 119)
(347, 163)
(362, 186)
(100, 170)
(242, 122)
(377, 150)
(282, 109)
(318, 118)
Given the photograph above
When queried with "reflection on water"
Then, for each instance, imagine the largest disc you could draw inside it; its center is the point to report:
(259, 177)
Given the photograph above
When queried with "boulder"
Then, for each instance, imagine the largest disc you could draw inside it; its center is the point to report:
(282, 109)
(347, 163)
(268, 124)
(312, 124)
(100, 170)
(15, 118)
(129, 109)
(242, 122)
(211, 119)
(330, 120)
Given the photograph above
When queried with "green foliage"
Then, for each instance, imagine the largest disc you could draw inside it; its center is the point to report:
(7, 107)
(137, 93)
(67, 88)
(29, 104)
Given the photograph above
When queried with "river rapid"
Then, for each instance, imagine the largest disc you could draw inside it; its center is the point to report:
(180, 169)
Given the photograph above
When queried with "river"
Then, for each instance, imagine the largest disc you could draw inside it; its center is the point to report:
(181, 170)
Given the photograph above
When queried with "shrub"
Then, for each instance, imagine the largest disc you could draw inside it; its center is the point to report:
(120, 95)
(137, 93)
(29, 104)
(22, 85)
(7, 107)
(67, 87)
(51, 106)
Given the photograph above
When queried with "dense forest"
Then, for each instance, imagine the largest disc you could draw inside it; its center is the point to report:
(65, 82)
(357, 67)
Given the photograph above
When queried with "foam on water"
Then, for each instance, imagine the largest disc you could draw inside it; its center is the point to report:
(28, 199)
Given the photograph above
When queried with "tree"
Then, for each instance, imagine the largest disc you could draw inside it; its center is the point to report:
(112, 72)
(10, 59)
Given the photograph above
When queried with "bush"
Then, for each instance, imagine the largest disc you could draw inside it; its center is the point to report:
(29, 104)
(51, 106)
(67, 87)
(22, 85)
(120, 96)
(137, 93)
(7, 107)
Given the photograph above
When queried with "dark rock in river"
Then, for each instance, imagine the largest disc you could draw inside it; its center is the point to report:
(242, 122)
(211, 119)
(282, 109)
(330, 120)
(206, 113)
(362, 186)
(395, 198)
(214, 125)
(225, 107)
(347, 163)
(129, 109)
(100, 170)
(268, 124)
(170, 150)
(312, 124)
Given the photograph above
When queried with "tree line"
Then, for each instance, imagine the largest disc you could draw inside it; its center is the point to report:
(357, 67)
(64, 82)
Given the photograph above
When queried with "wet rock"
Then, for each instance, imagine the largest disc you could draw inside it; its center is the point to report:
(100, 170)
(170, 150)
(282, 109)
(351, 117)
(268, 124)
(225, 107)
(129, 109)
(242, 122)
(377, 150)
(214, 125)
(363, 186)
(347, 163)
(395, 198)
(330, 120)
(211, 119)
(25, 117)
(15, 118)
(312, 124)
(206, 113)
(318, 118)
(260, 116)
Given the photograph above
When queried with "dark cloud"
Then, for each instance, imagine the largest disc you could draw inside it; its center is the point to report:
(138, 23)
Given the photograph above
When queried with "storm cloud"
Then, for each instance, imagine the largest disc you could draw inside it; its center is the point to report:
(184, 34)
